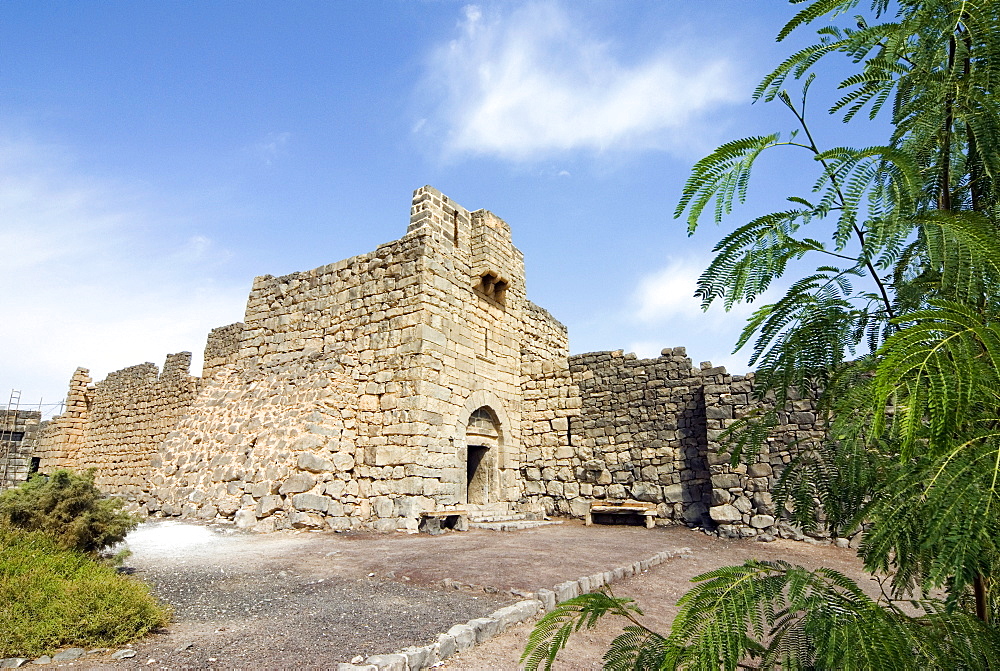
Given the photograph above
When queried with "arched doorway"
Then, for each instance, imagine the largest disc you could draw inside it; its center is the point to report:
(482, 440)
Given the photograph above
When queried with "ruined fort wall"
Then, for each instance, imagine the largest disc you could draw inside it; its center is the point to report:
(116, 425)
(283, 436)
(651, 430)
(551, 405)
(640, 435)
(471, 345)
(221, 349)
(348, 401)
(741, 497)
(61, 437)
(18, 432)
(354, 394)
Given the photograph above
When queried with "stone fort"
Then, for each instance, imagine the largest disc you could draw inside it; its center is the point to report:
(417, 379)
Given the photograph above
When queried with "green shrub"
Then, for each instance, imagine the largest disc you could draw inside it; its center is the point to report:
(69, 508)
(51, 597)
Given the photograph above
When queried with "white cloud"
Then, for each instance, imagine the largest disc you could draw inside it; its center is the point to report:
(271, 147)
(533, 82)
(668, 293)
(96, 275)
(663, 306)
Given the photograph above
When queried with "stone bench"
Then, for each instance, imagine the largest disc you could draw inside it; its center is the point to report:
(434, 522)
(648, 510)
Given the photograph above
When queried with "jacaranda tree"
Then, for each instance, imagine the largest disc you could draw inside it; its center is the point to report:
(897, 327)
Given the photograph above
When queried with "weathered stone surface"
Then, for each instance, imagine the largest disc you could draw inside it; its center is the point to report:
(306, 502)
(725, 513)
(463, 635)
(484, 628)
(245, 519)
(300, 482)
(725, 480)
(720, 497)
(393, 662)
(446, 646)
(68, 655)
(314, 463)
(761, 521)
(269, 504)
(673, 493)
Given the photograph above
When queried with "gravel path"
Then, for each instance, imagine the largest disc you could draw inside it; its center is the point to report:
(291, 600)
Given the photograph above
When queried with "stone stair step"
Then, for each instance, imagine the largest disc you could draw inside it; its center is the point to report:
(508, 517)
(515, 525)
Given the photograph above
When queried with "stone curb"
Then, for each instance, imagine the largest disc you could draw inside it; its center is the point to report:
(474, 632)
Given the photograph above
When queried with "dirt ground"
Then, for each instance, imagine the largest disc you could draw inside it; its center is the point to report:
(313, 599)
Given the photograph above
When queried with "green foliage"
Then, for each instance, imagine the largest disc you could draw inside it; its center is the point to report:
(69, 508)
(897, 333)
(637, 647)
(777, 615)
(51, 597)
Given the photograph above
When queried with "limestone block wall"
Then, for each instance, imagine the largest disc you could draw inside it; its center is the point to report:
(741, 498)
(472, 327)
(131, 412)
(18, 432)
(417, 377)
(650, 429)
(62, 436)
(551, 404)
(221, 349)
(349, 401)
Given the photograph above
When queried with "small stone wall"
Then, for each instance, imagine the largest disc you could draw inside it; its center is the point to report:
(650, 430)
(18, 432)
(125, 417)
(62, 436)
(741, 496)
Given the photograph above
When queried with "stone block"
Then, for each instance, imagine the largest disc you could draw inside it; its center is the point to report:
(445, 647)
(313, 463)
(307, 502)
(759, 470)
(418, 657)
(725, 480)
(299, 482)
(518, 612)
(761, 521)
(269, 504)
(673, 493)
(342, 462)
(300, 520)
(464, 636)
(546, 599)
(720, 497)
(393, 662)
(485, 628)
(644, 491)
(725, 514)
(245, 519)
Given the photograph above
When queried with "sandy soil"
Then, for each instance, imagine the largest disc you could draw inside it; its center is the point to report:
(657, 591)
(313, 599)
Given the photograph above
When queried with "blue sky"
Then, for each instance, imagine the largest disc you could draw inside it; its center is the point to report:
(155, 157)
